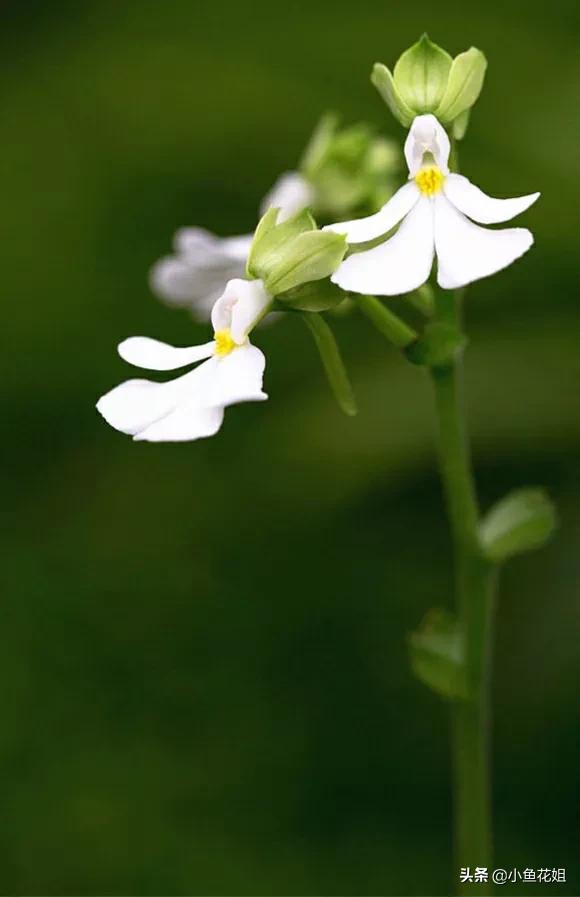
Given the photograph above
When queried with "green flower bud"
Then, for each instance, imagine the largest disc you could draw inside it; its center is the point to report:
(286, 255)
(421, 74)
(351, 170)
(426, 79)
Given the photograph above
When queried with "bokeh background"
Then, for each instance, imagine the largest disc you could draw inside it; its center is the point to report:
(204, 686)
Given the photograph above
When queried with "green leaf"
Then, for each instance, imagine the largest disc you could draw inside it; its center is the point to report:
(270, 239)
(525, 519)
(464, 85)
(316, 296)
(421, 74)
(438, 346)
(383, 81)
(310, 256)
(332, 362)
(437, 655)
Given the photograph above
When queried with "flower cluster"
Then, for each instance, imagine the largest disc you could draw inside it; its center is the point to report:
(289, 264)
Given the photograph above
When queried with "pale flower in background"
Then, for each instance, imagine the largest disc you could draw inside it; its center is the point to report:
(195, 276)
(192, 406)
(433, 211)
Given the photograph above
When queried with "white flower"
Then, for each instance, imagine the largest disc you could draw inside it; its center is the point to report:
(203, 263)
(192, 406)
(433, 211)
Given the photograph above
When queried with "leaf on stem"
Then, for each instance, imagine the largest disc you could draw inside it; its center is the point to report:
(525, 519)
(437, 655)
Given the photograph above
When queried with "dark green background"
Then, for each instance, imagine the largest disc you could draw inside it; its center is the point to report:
(203, 678)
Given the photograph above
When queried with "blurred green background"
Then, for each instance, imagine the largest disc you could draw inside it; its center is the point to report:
(204, 687)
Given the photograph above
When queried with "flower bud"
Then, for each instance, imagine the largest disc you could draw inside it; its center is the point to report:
(286, 255)
(351, 170)
(426, 79)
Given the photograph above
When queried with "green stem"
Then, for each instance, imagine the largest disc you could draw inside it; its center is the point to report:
(388, 323)
(474, 584)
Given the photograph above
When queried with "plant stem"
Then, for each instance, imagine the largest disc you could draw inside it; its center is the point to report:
(389, 324)
(474, 585)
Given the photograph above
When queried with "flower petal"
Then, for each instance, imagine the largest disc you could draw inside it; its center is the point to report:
(291, 193)
(135, 404)
(399, 265)
(361, 230)
(238, 308)
(202, 247)
(144, 352)
(237, 377)
(426, 135)
(197, 275)
(477, 205)
(467, 252)
(186, 423)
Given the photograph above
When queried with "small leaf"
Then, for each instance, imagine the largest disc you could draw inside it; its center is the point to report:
(332, 362)
(421, 74)
(383, 81)
(437, 655)
(316, 296)
(270, 239)
(310, 256)
(464, 85)
(438, 346)
(525, 519)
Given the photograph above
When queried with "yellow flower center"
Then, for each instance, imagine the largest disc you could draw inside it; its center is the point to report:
(224, 344)
(430, 180)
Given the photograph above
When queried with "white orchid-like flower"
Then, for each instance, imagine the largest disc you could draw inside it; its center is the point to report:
(192, 406)
(195, 276)
(435, 211)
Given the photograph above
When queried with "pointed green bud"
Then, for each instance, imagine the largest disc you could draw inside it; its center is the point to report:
(310, 256)
(523, 520)
(332, 362)
(286, 255)
(463, 86)
(270, 239)
(350, 170)
(426, 79)
(437, 655)
(421, 74)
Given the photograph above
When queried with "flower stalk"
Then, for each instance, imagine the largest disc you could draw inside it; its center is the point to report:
(474, 587)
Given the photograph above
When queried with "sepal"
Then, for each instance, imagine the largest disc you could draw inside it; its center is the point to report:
(383, 80)
(317, 296)
(525, 519)
(426, 79)
(286, 255)
(437, 655)
(270, 238)
(464, 85)
(421, 75)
